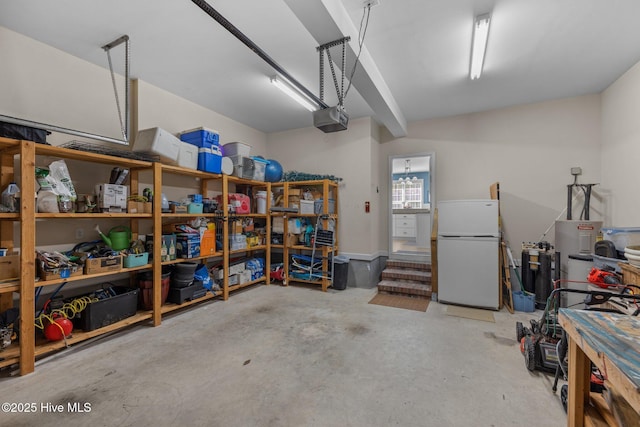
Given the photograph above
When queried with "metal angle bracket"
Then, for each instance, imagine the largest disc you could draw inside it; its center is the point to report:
(124, 124)
(325, 47)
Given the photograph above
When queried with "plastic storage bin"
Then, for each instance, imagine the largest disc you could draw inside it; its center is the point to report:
(136, 260)
(319, 206)
(340, 272)
(236, 149)
(158, 142)
(523, 302)
(622, 236)
(200, 137)
(210, 159)
(601, 262)
(110, 310)
(307, 206)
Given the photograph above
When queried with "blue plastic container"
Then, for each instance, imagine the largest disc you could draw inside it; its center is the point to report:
(210, 159)
(523, 302)
(200, 137)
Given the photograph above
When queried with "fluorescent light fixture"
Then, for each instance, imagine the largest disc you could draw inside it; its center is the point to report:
(479, 44)
(294, 93)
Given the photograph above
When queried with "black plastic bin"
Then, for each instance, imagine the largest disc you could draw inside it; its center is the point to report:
(340, 272)
(110, 310)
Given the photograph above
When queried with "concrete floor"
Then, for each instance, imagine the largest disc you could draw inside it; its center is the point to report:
(275, 356)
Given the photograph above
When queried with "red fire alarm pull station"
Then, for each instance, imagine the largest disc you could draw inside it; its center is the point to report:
(366, 207)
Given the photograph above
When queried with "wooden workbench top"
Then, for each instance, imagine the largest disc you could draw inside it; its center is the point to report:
(612, 342)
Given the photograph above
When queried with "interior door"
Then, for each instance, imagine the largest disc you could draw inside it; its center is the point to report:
(411, 194)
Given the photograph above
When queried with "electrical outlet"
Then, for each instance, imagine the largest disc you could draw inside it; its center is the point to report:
(576, 171)
(79, 233)
(370, 3)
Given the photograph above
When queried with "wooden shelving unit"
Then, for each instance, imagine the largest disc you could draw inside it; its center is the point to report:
(26, 153)
(229, 185)
(328, 217)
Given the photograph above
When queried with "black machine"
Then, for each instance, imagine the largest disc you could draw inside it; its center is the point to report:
(537, 259)
(539, 342)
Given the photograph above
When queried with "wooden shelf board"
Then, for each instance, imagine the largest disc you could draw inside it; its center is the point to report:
(251, 249)
(244, 285)
(8, 360)
(79, 336)
(238, 180)
(9, 215)
(188, 215)
(11, 354)
(7, 287)
(8, 143)
(309, 282)
(169, 307)
(250, 215)
(67, 153)
(178, 260)
(94, 215)
(190, 172)
(311, 183)
(89, 276)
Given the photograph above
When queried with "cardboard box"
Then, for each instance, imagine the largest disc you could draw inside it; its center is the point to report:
(237, 268)
(10, 267)
(293, 239)
(112, 197)
(234, 279)
(188, 245)
(103, 265)
(58, 273)
(169, 241)
(277, 224)
(208, 242)
(139, 207)
(245, 276)
(178, 208)
(295, 192)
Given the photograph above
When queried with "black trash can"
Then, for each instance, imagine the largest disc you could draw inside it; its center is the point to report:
(340, 272)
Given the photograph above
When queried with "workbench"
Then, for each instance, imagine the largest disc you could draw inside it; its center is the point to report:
(612, 343)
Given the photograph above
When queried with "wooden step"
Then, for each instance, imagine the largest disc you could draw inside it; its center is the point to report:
(402, 274)
(408, 288)
(408, 265)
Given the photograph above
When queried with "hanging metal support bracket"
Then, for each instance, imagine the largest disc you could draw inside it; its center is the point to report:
(325, 48)
(337, 42)
(124, 124)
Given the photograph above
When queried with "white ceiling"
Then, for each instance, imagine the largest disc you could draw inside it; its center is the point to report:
(537, 50)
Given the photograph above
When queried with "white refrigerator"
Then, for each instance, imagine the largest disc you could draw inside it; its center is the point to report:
(468, 248)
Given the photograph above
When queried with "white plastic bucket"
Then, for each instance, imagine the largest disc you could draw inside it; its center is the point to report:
(261, 197)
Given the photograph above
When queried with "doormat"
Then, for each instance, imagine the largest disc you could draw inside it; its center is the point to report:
(399, 301)
(470, 313)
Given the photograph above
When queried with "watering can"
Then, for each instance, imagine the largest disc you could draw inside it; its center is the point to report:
(118, 238)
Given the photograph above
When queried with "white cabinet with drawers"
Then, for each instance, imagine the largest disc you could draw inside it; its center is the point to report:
(404, 225)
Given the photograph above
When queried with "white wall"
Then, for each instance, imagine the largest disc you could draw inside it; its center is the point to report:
(529, 149)
(43, 84)
(346, 154)
(620, 155)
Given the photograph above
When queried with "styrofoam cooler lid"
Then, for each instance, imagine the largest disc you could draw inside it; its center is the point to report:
(227, 166)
